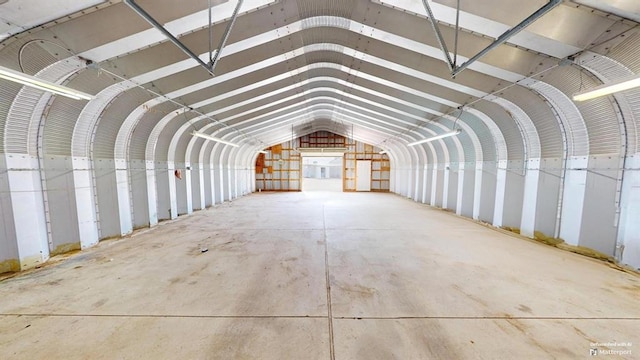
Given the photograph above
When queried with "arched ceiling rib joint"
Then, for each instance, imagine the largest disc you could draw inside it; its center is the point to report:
(356, 63)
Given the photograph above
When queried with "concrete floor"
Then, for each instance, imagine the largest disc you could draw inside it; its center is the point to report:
(406, 282)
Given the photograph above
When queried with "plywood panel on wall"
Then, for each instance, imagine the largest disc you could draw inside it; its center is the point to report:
(280, 169)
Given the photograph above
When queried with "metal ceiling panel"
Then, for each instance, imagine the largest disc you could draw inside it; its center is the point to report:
(143, 129)
(627, 53)
(598, 114)
(565, 24)
(18, 138)
(508, 127)
(628, 9)
(543, 118)
(61, 118)
(446, 16)
(161, 152)
(504, 11)
(342, 8)
(112, 119)
(629, 101)
(324, 62)
(18, 16)
(572, 26)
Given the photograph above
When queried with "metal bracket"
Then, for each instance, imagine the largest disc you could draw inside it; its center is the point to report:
(213, 59)
(455, 70)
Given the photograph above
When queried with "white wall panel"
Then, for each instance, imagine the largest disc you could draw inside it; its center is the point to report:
(509, 194)
(488, 191)
(124, 196)
(85, 202)
(514, 195)
(466, 197)
(530, 198)
(599, 223)
(547, 199)
(152, 192)
(107, 197)
(163, 196)
(62, 204)
(198, 186)
(8, 239)
(24, 230)
(629, 232)
(426, 180)
(575, 184)
(433, 197)
(139, 193)
(452, 187)
(182, 185)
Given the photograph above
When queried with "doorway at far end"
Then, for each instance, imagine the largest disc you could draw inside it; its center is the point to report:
(322, 173)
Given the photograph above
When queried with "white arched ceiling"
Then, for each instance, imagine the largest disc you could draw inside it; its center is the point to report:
(194, 21)
(396, 40)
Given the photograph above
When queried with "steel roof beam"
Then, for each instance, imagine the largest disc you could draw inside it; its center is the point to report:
(436, 29)
(209, 67)
(507, 34)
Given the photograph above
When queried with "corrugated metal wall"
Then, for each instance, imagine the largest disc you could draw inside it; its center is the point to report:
(112, 119)
(598, 114)
(543, 118)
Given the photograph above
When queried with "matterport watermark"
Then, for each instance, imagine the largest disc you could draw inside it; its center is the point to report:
(610, 348)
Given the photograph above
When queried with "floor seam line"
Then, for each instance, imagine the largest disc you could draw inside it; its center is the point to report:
(481, 318)
(168, 316)
(328, 282)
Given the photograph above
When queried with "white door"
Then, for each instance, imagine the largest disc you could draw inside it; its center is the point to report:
(363, 175)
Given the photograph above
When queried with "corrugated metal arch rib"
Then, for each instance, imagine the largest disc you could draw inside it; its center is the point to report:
(27, 108)
(526, 126)
(509, 127)
(578, 136)
(543, 118)
(608, 70)
(600, 120)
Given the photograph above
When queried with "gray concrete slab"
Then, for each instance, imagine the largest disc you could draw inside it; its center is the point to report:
(406, 281)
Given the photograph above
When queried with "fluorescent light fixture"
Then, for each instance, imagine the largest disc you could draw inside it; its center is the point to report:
(441, 136)
(209, 137)
(37, 83)
(606, 89)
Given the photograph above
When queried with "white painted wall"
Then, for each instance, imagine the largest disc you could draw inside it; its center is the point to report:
(61, 201)
(182, 199)
(452, 187)
(599, 223)
(487, 191)
(24, 232)
(629, 231)
(85, 202)
(8, 239)
(573, 199)
(514, 194)
(163, 200)
(107, 196)
(549, 184)
(466, 197)
(139, 193)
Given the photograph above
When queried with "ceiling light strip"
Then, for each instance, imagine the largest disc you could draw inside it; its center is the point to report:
(608, 89)
(209, 137)
(32, 81)
(441, 136)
